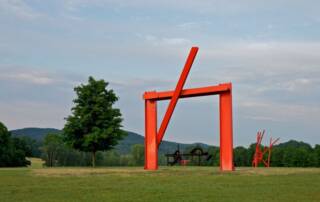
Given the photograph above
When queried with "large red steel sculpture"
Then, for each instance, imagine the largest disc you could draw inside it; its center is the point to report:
(153, 136)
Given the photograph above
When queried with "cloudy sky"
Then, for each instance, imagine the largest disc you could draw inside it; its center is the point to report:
(269, 50)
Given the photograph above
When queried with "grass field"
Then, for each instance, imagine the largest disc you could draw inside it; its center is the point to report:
(166, 184)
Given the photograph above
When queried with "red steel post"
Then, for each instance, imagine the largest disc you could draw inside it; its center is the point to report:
(151, 147)
(226, 131)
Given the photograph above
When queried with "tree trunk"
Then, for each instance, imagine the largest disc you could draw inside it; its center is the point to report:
(48, 160)
(94, 159)
(51, 156)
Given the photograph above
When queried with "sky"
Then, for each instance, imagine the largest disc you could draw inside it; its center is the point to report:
(269, 50)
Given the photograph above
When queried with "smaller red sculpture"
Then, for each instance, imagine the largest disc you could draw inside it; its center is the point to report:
(259, 155)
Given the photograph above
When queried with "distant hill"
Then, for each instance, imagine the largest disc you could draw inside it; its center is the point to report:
(294, 144)
(123, 147)
(34, 133)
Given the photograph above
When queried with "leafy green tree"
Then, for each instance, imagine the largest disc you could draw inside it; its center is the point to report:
(70, 157)
(4, 145)
(125, 160)
(53, 144)
(317, 155)
(162, 160)
(277, 156)
(94, 124)
(56, 153)
(250, 153)
(137, 152)
(32, 146)
(12, 150)
(110, 158)
(215, 159)
(240, 156)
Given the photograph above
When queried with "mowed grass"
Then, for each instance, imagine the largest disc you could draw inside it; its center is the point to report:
(166, 184)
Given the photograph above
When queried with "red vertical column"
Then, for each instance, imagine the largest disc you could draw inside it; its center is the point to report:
(151, 147)
(226, 131)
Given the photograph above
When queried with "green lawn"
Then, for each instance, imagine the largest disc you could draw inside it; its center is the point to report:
(166, 184)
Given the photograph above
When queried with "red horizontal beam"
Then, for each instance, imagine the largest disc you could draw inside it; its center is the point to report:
(191, 92)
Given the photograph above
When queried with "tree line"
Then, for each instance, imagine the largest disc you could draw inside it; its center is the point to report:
(94, 128)
(56, 152)
(288, 154)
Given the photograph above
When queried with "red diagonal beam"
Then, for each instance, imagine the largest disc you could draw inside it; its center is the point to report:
(176, 94)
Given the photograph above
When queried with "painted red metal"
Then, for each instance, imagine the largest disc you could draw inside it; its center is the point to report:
(176, 93)
(226, 130)
(153, 138)
(270, 149)
(259, 155)
(151, 147)
(186, 93)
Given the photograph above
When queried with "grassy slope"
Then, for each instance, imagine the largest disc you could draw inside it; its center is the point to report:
(167, 184)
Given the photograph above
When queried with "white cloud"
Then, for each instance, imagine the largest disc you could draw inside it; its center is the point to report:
(273, 54)
(27, 75)
(18, 8)
(176, 41)
(32, 77)
(267, 110)
(194, 25)
(162, 41)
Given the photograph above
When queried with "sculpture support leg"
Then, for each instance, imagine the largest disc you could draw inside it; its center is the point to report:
(151, 147)
(226, 142)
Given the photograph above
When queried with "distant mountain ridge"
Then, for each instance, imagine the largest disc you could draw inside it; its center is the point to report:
(35, 133)
(123, 147)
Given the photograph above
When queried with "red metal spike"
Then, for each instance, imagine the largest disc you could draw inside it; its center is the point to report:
(176, 94)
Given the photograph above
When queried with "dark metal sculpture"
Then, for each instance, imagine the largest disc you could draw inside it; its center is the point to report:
(183, 159)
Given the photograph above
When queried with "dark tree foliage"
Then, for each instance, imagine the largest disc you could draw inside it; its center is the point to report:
(240, 156)
(52, 147)
(13, 151)
(32, 146)
(317, 155)
(288, 154)
(95, 125)
(56, 153)
(137, 153)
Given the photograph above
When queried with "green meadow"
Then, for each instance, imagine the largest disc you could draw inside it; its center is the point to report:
(167, 184)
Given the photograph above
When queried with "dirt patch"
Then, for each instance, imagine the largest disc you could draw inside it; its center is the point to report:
(85, 171)
(276, 171)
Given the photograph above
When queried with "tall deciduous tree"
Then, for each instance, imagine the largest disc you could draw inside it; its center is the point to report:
(52, 145)
(137, 152)
(95, 125)
(12, 150)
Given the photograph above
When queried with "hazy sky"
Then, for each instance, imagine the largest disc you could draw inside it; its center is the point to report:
(269, 50)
